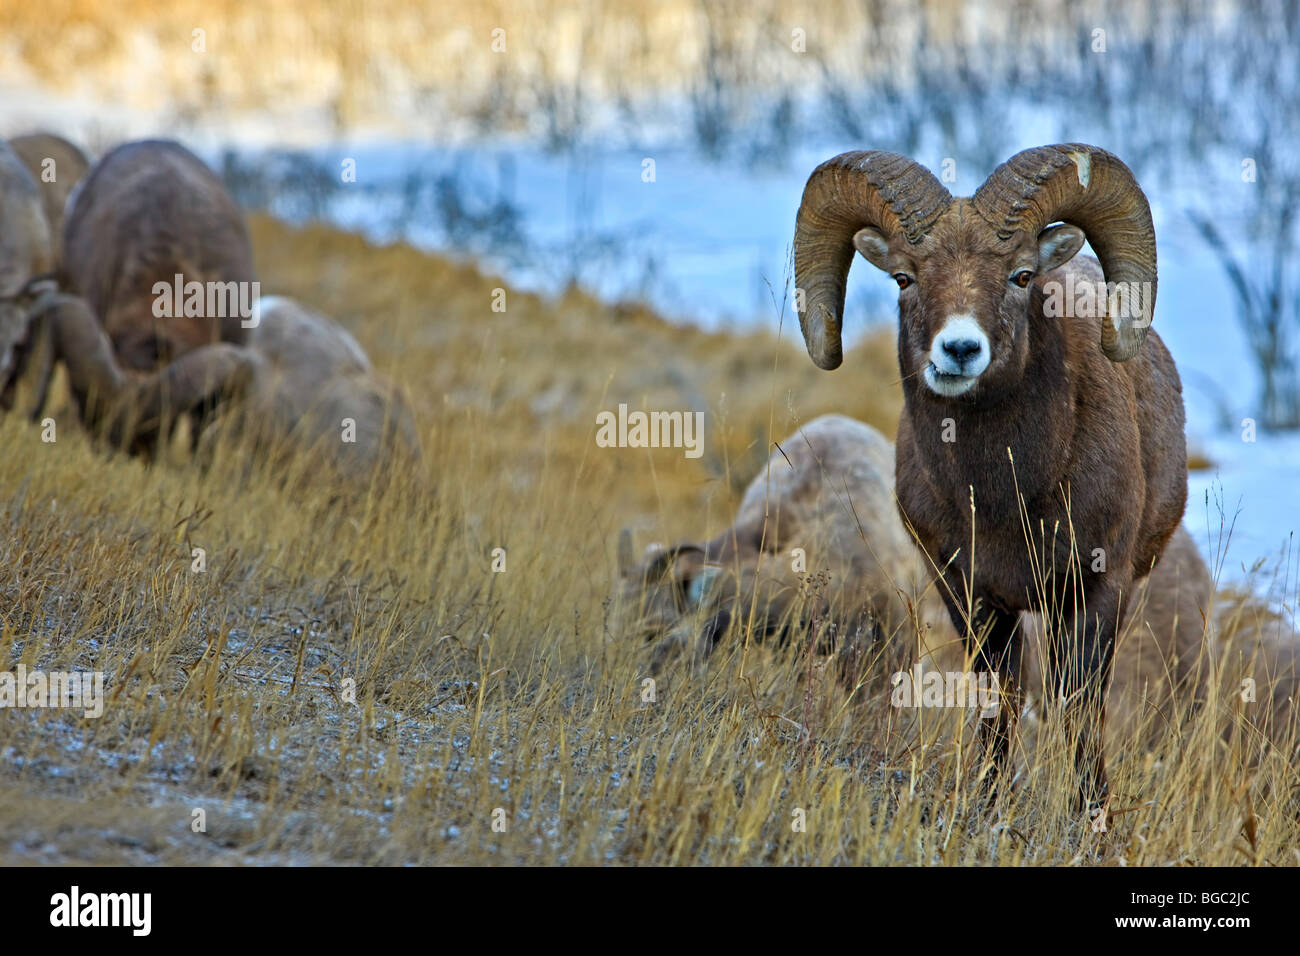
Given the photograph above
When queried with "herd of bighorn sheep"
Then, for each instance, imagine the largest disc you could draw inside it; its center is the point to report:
(1027, 520)
(136, 274)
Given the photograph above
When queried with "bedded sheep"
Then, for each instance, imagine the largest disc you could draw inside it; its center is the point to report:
(314, 390)
(816, 537)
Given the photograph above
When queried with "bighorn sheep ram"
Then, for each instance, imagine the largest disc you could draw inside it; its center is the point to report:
(26, 265)
(57, 166)
(148, 213)
(1037, 471)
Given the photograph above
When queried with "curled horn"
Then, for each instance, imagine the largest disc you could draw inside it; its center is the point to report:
(1089, 188)
(885, 191)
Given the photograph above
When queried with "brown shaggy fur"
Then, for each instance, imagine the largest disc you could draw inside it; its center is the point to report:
(147, 212)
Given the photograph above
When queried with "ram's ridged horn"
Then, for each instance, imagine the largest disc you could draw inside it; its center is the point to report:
(1089, 188)
(885, 191)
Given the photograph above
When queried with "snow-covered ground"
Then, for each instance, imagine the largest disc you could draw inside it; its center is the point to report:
(1253, 492)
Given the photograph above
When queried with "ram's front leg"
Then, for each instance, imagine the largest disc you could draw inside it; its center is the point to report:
(994, 646)
(1077, 668)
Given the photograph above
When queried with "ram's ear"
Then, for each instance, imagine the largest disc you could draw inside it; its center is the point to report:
(676, 567)
(873, 247)
(626, 556)
(1057, 245)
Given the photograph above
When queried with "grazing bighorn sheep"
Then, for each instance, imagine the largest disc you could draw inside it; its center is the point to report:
(57, 166)
(26, 266)
(147, 213)
(1037, 471)
(166, 321)
(315, 386)
(829, 490)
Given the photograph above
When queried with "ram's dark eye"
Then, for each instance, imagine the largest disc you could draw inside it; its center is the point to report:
(903, 279)
(1023, 278)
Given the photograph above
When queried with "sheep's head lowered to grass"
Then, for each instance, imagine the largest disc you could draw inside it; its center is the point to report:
(816, 541)
(137, 354)
(1037, 470)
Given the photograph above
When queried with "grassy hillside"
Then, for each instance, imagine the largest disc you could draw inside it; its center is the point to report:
(229, 689)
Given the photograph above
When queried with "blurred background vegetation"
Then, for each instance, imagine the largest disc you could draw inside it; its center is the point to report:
(1199, 97)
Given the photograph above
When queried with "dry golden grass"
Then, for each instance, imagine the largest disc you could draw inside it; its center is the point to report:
(478, 691)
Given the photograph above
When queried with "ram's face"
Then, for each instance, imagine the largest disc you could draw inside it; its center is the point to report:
(658, 595)
(964, 300)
